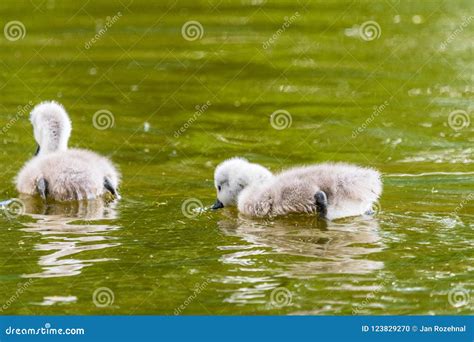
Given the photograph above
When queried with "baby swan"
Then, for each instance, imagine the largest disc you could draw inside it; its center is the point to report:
(333, 190)
(57, 172)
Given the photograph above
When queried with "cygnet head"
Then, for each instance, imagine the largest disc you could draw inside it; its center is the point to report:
(51, 127)
(234, 175)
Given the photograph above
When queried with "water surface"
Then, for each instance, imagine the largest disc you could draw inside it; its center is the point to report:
(180, 106)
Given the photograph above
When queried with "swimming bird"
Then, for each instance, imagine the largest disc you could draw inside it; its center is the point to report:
(57, 172)
(332, 190)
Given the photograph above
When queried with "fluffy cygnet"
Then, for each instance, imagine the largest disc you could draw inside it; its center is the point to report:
(60, 173)
(333, 190)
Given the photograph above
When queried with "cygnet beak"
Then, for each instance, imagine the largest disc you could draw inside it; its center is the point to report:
(217, 205)
(37, 150)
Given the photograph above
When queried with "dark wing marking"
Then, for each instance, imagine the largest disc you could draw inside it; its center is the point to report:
(108, 185)
(321, 203)
(42, 187)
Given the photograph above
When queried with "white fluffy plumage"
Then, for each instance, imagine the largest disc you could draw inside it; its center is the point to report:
(343, 190)
(60, 173)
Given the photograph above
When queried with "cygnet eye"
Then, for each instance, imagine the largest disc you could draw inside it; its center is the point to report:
(219, 188)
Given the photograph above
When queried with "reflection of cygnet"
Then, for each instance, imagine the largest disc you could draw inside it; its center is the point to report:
(333, 190)
(68, 233)
(98, 209)
(342, 244)
(60, 173)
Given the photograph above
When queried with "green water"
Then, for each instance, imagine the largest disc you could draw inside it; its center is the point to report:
(411, 258)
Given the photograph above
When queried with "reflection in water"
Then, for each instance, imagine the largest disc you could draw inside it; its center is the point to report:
(68, 229)
(453, 156)
(325, 248)
(53, 300)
